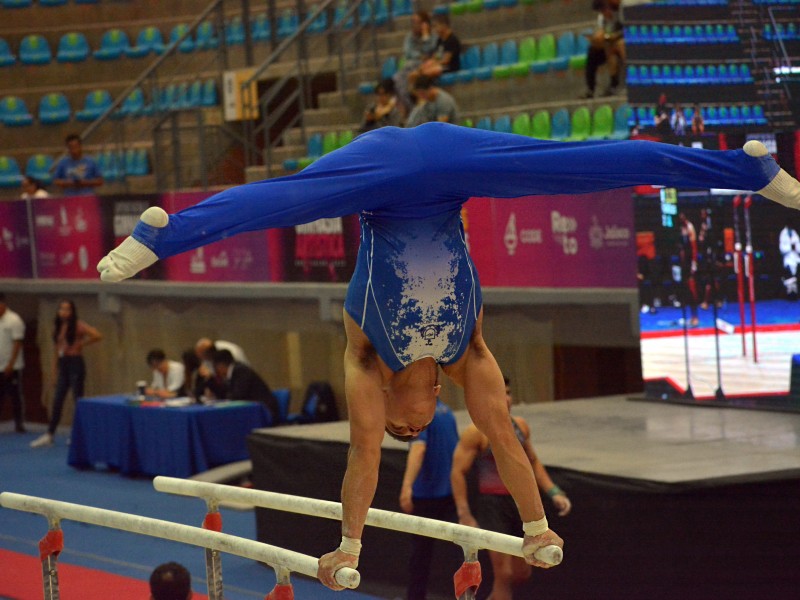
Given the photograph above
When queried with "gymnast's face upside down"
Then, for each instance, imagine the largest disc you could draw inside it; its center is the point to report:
(410, 399)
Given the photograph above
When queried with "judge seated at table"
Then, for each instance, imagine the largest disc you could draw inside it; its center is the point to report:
(168, 375)
(236, 381)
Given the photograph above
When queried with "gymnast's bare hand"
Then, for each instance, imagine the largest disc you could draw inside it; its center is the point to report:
(332, 562)
(532, 543)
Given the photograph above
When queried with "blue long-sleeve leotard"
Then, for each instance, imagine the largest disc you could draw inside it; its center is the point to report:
(414, 291)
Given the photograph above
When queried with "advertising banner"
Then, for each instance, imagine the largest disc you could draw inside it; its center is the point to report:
(69, 236)
(15, 243)
(242, 257)
(553, 241)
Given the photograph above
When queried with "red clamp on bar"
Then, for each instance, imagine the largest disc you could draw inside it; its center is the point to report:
(213, 521)
(468, 576)
(281, 592)
(51, 544)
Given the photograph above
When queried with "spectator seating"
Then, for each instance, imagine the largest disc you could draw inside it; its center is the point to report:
(206, 36)
(580, 125)
(560, 125)
(622, 117)
(181, 29)
(260, 29)
(713, 74)
(10, 175)
(540, 125)
(17, 3)
(34, 50)
(14, 112)
(73, 47)
(685, 34)
(234, 31)
(54, 108)
(502, 124)
(521, 125)
(96, 103)
(7, 58)
(545, 55)
(39, 167)
(52, 3)
(113, 45)
(782, 31)
(149, 40)
(602, 122)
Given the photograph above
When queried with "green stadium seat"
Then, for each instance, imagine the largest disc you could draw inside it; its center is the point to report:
(545, 55)
(540, 125)
(602, 122)
(580, 125)
(522, 125)
(527, 55)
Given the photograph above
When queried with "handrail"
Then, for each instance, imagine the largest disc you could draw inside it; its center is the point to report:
(460, 534)
(56, 511)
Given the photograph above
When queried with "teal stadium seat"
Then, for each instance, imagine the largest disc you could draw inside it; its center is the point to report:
(206, 36)
(51, 3)
(136, 162)
(113, 45)
(54, 108)
(490, 58)
(73, 47)
(180, 30)
(14, 112)
(578, 58)
(502, 124)
(287, 23)
(17, 3)
(470, 60)
(134, 104)
(194, 96)
(34, 50)
(402, 8)
(39, 167)
(234, 31)
(389, 68)
(560, 125)
(484, 123)
(339, 15)
(210, 96)
(96, 103)
(509, 56)
(381, 12)
(260, 29)
(167, 98)
(149, 40)
(7, 57)
(565, 48)
(10, 175)
(107, 162)
(622, 117)
(320, 23)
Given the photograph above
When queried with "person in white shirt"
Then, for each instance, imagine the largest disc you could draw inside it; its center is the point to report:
(32, 188)
(789, 245)
(168, 375)
(12, 332)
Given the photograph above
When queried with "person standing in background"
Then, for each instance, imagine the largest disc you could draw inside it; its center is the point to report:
(426, 490)
(70, 336)
(12, 332)
(77, 174)
(496, 508)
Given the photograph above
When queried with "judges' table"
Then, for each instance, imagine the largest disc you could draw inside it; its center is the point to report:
(152, 439)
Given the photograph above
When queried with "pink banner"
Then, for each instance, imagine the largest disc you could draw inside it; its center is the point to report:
(69, 236)
(553, 241)
(15, 243)
(242, 257)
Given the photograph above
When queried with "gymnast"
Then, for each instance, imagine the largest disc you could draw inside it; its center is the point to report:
(413, 304)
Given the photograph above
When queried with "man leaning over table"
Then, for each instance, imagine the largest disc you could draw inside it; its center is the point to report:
(168, 375)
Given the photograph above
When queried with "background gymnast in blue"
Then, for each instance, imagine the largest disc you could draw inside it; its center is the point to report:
(414, 301)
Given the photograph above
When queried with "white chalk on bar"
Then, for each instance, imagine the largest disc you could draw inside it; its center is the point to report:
(230, 544)
(451, 532)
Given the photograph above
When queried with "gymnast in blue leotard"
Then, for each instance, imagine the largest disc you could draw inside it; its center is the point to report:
(414, 301)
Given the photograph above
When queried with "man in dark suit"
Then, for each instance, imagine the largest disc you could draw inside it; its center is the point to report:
(237, 381)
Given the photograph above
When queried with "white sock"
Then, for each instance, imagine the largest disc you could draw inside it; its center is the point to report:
(783, 189)
(131, 256)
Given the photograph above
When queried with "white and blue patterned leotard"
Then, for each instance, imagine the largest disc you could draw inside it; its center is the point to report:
(415, 291)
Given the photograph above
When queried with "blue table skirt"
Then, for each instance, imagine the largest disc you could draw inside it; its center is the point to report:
(159, 440)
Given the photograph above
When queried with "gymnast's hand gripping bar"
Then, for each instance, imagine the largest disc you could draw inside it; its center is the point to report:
(452, 532)
(55, 511)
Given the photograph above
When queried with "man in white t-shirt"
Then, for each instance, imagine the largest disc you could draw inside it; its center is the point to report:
(789, 244)
(168, 375)
(12, 332)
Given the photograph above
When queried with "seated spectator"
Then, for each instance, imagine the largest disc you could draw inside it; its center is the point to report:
(434, 104)
(170, 581)
(77, 174)
(383, 112)
(236, 381)
(32, 188)
(607, 46)
(447, 54)
(698, 124)
(418, 46)
(168, 375)
(678, 120)
(191, 364)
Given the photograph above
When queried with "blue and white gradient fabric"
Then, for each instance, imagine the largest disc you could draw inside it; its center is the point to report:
(415, 291)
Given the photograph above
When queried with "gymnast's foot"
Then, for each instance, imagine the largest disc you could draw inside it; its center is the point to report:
(783, 189)
(131, 256)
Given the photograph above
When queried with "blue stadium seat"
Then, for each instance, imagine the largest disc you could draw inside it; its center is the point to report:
(14, 112)
(96, 103)
(107, 162)
(509, 56)
(194, 97)
(320, 23)
(489, 60)
(632, 75)
(723, 116)
(484, 123)
(181, 29)
(39, 166)
(7, 58)
(389, 68)
(52, 2)
(287, 23)
(206, 36)
(401, 8)
(34, 50)
(565, 49)
(73, 47)
(113, 45)
(17, 3)
(560, 125)
(339, 16)
(134, 104)
(234, 31)
(502, 124)
(149, 40)
(209, 96)
(622, 117)
(744, 74)
(54, 108)
(736, 118)
(381, 12)
(314, 145)
(470, 60)
(136, 163)
(260, 29)
(758, 115)
(166, 98)
(10, 175)
(283, 397)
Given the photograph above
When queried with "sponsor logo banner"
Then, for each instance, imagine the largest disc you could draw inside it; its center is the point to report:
(553, 241)
(15, 243)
